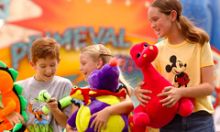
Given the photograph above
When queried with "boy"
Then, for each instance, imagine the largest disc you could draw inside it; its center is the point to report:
(44, 59)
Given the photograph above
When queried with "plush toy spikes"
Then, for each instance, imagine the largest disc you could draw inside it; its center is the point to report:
(2, 64)
(14, 73)
(11, 71)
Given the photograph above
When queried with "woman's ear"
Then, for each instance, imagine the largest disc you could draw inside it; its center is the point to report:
(100, 63)
(173, 15)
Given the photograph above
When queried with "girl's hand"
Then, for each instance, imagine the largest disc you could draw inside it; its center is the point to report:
(141, 94)
(100, 119)
(15, 118)
(171, 94)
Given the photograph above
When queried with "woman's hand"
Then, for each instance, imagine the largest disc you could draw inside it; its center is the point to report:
(100, 119)
(15, 118)
(142, 94)
(171, 94)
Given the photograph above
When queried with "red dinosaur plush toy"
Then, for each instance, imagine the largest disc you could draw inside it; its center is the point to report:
(153, 114)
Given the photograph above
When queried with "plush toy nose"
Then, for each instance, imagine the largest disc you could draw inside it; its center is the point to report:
(151, 47)
(113, 62)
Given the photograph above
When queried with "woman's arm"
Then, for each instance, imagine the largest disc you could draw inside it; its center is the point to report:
(142, 94)
(205, 88)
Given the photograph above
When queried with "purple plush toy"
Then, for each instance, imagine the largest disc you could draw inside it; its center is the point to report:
(106, 78)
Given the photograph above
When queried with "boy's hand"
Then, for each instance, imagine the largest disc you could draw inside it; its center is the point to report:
(52, 104)
(15, 118)
(59, 115)
(141, 94)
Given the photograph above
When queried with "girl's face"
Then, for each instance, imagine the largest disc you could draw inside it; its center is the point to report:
(87, 64)
(160, 22)
(45, 68)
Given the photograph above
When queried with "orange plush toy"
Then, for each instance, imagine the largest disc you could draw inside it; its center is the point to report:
(154, 114)
(10, 98)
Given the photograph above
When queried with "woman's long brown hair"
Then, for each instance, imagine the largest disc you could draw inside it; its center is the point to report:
(188, 29)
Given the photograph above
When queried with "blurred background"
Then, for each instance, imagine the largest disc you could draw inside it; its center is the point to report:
(118, 24)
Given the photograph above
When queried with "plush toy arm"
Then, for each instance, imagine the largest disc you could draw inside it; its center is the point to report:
(45, 110)
(44, 96)
(64, 102)
(95, 93)
(8, 108)
(84, 94)
(81, 94)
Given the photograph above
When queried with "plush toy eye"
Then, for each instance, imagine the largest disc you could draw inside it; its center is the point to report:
(145, 45)
(138, 55)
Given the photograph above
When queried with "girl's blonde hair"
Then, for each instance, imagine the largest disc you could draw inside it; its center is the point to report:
(99, 51)
(190, 31)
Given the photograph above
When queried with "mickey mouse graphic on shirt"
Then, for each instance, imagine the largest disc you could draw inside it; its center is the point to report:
(177, 67)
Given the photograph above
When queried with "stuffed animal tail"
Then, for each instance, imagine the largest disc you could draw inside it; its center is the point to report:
(23, 105)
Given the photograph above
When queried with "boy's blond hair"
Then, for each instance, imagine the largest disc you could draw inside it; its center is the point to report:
(43, 48)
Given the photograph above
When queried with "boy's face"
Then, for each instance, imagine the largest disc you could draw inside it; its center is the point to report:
(45, 68)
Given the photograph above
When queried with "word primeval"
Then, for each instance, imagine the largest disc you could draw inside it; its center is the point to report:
(72, 39)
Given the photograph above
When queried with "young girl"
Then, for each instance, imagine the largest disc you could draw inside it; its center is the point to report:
(184, 59)
(91, 58)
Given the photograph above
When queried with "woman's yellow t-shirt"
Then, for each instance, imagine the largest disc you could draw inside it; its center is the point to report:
(191, 58)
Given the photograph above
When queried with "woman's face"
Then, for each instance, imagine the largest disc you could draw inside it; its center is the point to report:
(160, 22)
(87, 64)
